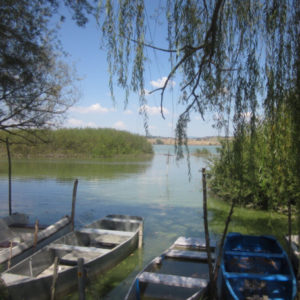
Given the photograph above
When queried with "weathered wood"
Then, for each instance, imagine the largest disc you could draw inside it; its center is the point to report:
(173, 280)
(193, 255)
(23, 243)
(81, 278)
(141, 230)
(36, 230)
(194, 242)
(65, 247)
(207, 239)
(74, 203)
(9, 176)
(106, 231)
(55, 275)
(289, 229)
(115, 219)
(10, 255)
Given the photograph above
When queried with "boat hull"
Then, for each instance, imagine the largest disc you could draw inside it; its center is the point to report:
(67, 279)
(26, 248)
(181, 272)
(255, 267)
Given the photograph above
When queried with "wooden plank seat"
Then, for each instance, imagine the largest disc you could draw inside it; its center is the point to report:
(193, 255)
(115, 219)
(106, 231)
(71, 248)
(194, 242)
(107, 241)
(173, 280)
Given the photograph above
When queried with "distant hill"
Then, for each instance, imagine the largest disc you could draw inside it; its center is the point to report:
(203, 141)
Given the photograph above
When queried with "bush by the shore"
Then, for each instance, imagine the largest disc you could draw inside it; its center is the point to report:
(74, 143)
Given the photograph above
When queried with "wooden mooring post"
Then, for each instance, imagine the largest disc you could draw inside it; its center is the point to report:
(81, 278)
(55, 271)
(36, 230)
(207, 238)
(74, 203)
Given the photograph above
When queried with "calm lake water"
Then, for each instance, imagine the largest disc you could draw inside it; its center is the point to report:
(158, 189)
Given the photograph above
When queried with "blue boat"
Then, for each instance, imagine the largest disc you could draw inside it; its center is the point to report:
(255, 267)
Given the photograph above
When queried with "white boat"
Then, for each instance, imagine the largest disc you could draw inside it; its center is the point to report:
(18, 239)
(102, 245)
(181, 272)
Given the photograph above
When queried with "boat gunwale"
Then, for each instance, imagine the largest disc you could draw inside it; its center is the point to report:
(87, 264)
(158, 259)
(257, 276)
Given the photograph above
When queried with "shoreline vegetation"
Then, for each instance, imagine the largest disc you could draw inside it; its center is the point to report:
(203, 141)
(247, 220)
(85, 143)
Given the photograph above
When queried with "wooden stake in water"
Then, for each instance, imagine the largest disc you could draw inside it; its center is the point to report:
(210, 265)
(81, 278)
(141, 230)
(9, 176)
(55, 272)
(10, 255)
(36, 230)
(73, 202)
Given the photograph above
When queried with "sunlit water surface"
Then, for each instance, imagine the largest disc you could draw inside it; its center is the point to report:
(159, 189)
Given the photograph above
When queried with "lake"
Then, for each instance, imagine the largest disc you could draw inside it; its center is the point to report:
(159, 189)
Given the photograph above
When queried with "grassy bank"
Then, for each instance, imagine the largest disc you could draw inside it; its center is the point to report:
(80, 143)
(248, 221)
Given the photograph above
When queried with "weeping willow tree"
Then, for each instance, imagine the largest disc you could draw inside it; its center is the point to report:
(239, 59)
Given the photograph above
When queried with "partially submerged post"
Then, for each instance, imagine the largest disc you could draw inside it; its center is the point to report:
(36, 230)
(141, 230)
(81, 278)
(9, 176)
(10, 255)
(207, 242)
(74, 202)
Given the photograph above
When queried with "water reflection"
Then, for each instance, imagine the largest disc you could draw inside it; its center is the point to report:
(158, 189)
(67, 170)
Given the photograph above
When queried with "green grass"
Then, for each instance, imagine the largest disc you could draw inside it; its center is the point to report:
(248, 221)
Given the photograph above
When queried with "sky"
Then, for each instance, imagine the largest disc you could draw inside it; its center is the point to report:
(95, 107)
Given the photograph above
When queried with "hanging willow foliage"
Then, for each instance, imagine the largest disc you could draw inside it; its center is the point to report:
(237, 58)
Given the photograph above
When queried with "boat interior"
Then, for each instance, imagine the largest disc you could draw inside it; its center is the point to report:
(178, 274)
(89, 243)
(257, 268)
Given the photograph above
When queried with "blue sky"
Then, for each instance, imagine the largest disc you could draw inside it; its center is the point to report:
(95, 107)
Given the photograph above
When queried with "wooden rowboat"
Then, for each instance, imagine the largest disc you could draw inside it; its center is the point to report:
(181, 272)
(102, 245)
(18, 241)
(256, 267)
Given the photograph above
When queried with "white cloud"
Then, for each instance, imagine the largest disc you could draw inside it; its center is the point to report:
(119, 125)
(159, 83)
(94, 108)
(79, 123)
(154, 110)
(128, 112)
